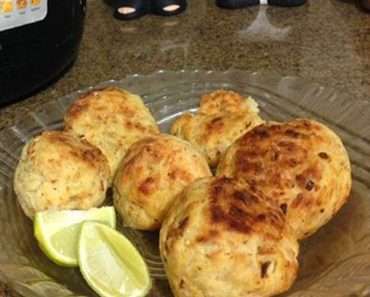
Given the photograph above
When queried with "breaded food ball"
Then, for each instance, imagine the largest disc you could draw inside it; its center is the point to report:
(222, 118)
(221, 238)
(223, 101)
(153, 172)
(213, 134)
(111, 119)
(59, 171)
(301, 164)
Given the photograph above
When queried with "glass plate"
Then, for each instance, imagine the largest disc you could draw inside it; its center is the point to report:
(334, 262)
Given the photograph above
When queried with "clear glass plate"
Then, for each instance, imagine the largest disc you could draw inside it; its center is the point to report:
(334, 262)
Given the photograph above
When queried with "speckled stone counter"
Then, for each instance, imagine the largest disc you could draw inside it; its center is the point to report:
(326, 41)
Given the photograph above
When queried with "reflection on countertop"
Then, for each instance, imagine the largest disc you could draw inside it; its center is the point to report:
(326, 41)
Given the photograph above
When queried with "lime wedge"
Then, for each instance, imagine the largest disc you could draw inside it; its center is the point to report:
(58, 232)
(110, 264)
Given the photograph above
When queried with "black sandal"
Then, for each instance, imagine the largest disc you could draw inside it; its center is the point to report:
(168, 7)
(130, 9)
(286, 2)
(233, 4)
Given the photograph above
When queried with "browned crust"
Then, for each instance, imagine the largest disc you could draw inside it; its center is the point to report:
(221, 101)
(295, 164)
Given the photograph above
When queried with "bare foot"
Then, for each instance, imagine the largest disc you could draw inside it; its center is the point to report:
(171, 8)
(126, 10)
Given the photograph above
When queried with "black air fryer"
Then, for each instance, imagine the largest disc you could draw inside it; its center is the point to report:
(39, 40)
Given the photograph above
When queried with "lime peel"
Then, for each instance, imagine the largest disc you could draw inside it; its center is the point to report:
(58, 232)
(110, 263)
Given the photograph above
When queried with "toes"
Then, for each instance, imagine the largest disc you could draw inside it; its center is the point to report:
(171, 8)
(126, 10)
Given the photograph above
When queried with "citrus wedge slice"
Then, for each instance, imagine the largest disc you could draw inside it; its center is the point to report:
(58, 232)
(110, 263)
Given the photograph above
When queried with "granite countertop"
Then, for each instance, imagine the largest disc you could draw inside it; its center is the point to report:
(324, 41)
